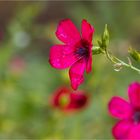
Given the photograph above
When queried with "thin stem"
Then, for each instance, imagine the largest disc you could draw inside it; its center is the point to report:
(127, 65)
(109, 56)
(113, 58)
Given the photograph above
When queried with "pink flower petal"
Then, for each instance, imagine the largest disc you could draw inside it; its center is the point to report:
(135, 133)
(67, 32)
(119, 108)
(89, 64)
(121, 130)
(76, 73)
(134, 94)
(87, 31)
(61, 56)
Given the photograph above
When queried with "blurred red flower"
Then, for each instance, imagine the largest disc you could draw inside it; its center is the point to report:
(129, 114)
(67, 100)
(75, 52)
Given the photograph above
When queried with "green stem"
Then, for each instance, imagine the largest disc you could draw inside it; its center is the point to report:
(109, 56)
(128, 65)
(114, 59)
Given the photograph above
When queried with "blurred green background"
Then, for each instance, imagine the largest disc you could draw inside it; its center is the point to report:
(27, 31)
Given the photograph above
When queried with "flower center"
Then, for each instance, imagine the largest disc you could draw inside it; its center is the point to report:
(64, 100)
(82, 51)
(137, 116)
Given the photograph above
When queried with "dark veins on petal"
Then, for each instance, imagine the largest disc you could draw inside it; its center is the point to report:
(136, 117)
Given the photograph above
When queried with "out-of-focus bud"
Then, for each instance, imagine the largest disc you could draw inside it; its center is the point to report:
(134, 54)
(104, 42)
(21, 39)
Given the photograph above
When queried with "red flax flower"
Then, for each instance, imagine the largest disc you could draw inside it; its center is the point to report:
(128, 112)
(75, 52)
(66, 100)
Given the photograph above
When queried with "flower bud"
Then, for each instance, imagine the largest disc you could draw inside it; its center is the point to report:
(104, 39)
(106, 34)
(96, 50)
(134, 54)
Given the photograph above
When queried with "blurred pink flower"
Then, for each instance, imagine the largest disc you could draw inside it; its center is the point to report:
(68, 101)
(17, 65)
(75, 52)
(129, 114)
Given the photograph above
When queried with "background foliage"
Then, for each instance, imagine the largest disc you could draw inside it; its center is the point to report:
(27, 31)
